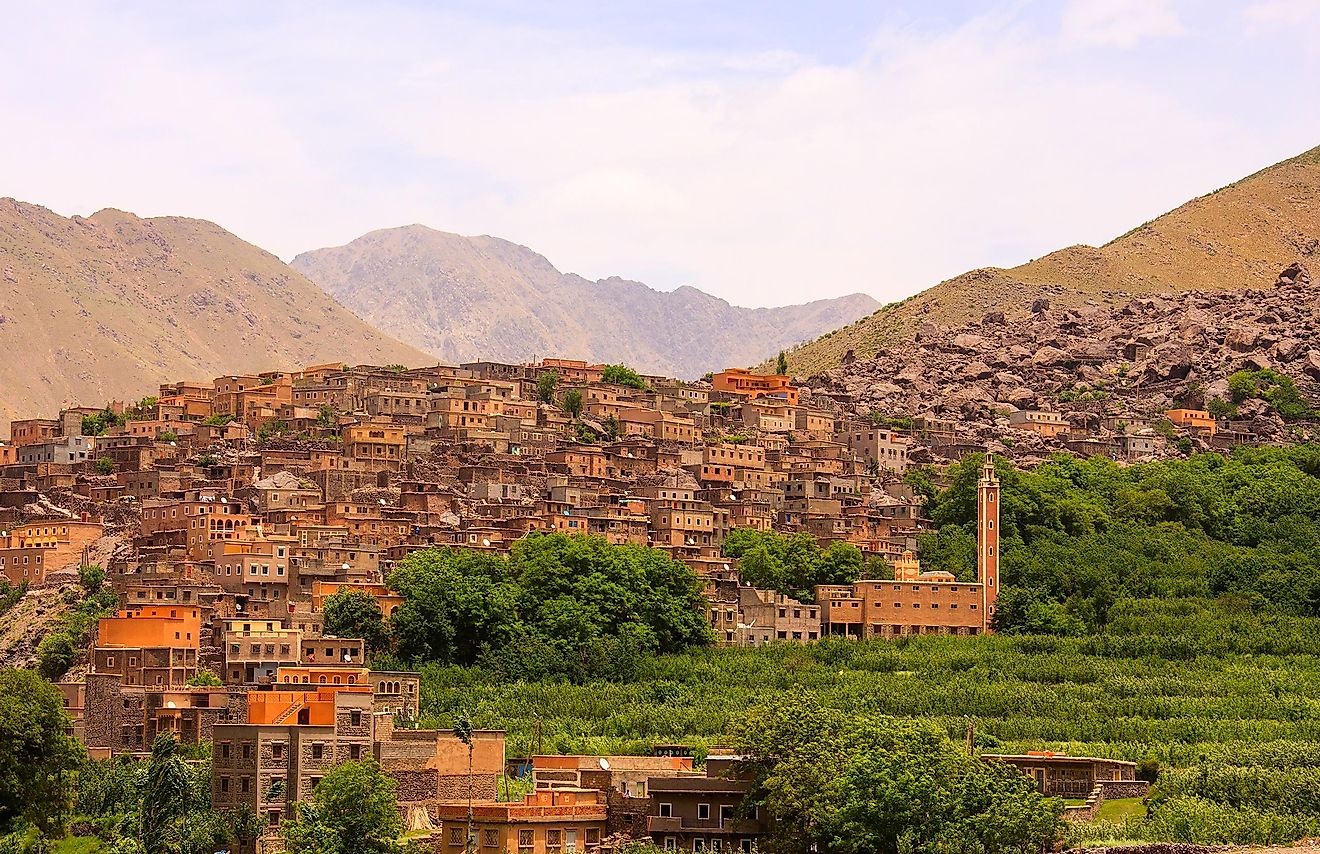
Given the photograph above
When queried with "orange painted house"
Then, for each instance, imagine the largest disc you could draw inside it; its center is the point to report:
(744, 382)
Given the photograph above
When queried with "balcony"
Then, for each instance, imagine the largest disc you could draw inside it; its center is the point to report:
(676, 824)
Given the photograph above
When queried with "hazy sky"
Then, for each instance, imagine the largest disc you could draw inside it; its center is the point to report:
(767, 152)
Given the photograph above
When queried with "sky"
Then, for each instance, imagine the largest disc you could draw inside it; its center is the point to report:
(768, 152)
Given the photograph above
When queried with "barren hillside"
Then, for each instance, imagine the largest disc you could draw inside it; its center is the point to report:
(1235, 238)
(107, 306)
(466, 298)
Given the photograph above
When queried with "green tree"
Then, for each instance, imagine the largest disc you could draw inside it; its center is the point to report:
(105, 465)
(352, 811)
(781, 364)
(327, 416)
(56, 653)
(546, 384)
(167, 795)
(557, 600)
(356, 614)
(37, 758)
(205, 678)
(91, 577)
(610, 425)
(622, 375)
(854, 784)
(573, 402)
(792, 564)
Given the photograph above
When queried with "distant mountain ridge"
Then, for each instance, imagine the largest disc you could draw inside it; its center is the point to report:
(107, 306)
(463, 298)
(1235, 238)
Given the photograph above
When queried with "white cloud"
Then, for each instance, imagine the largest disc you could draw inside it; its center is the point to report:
(765, 177)
(1119, 23)
(1272, 14)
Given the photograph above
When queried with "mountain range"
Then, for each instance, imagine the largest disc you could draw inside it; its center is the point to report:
(107, 306)
(1239, 237)
(465, 298)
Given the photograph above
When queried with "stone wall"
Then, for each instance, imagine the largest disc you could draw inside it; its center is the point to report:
(1115, 789)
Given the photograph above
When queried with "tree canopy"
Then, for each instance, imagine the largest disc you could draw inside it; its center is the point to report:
(853, 783)
(356, 614)
(1076, 536)
(351, 811)
(792, 564)
(553, 593)
(37, 758)
(622, 375)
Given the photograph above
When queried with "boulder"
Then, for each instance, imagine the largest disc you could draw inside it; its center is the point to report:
(1048, 355)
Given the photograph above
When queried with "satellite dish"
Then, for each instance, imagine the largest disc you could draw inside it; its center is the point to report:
(485, 542)
(170, 705)
(224, 500)
(238, 606)
(348, 657)
(604, 764)
(382, 502)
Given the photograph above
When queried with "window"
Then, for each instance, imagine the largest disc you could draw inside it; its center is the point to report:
(490, 838)
(318, 750)
(456, 836)
(277, 750)
(703, 812)
(224, 784)
(355, 718)
(726, 814)
(526, 838)
(247, 750)
(355, 751)
(666, 810)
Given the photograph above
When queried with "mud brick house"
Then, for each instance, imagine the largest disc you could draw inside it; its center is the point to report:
(255, 650)
(29, 551)
(1062, 776)
(290, 741)
(1046, 424)
(886, 449)
(549, 821)
(1198, 422)
(150, 645)
(703, 813)
(917, 602)
(743, 383)
(118, 717)
(431, 766)
(622, 780)
(747, 616)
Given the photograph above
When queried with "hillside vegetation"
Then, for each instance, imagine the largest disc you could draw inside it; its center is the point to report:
(1235, 238)
(1161, 613)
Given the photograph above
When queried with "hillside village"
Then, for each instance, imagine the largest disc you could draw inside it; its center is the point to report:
(227, 513)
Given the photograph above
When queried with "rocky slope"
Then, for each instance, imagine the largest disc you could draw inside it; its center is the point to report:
(464, 298)
(107, 306)
(1234, 238)
(1135, 360)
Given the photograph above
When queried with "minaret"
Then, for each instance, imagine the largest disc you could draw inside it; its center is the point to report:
(987, 539)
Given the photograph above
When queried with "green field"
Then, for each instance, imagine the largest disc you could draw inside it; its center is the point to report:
(1222, 702)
